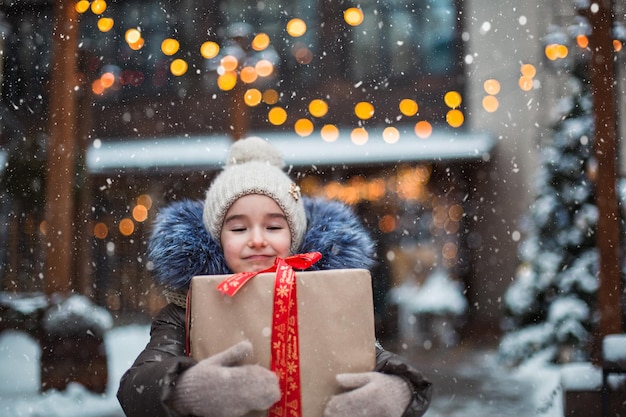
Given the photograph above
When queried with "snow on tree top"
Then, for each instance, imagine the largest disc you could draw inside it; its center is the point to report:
(77, 314)
(23, 303)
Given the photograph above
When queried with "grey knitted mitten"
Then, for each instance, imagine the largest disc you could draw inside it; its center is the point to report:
(218, 387)
(371, 394)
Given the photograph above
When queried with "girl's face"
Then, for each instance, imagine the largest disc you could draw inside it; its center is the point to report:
(255, 232)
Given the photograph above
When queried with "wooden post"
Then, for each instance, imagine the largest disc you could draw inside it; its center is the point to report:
(602, 70)
(238, 112)
(61, 149)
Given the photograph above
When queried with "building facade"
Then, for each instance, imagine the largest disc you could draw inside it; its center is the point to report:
(381, 100)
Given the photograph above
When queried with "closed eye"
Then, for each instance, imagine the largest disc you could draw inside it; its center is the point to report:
(237, 228)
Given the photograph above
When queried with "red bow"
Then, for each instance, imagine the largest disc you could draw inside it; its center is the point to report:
(232, 284)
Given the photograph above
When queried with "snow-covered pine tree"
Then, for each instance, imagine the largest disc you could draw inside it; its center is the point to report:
(551, 304)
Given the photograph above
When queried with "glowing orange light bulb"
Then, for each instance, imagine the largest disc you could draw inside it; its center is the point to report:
(408, 107)
(170, 46)
(329, 133)
(179, 67)
(277, 116)
(318, 108)
(491, 86)
(81, 6)
(353, 16)
(455, 118)
(452, 99)
(260, 42)
(209, 49)
(364, 110)
(105, 24)
(98, 6)
(296, 27)
(303, 127)
(423, 129)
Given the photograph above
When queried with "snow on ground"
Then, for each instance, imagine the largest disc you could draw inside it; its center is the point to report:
(20, 396)
(20, 377)
(546, 379)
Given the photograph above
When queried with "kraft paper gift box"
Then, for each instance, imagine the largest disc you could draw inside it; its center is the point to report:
(335, 321)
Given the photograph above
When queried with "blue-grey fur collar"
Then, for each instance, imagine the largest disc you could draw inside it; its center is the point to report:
(180, 247)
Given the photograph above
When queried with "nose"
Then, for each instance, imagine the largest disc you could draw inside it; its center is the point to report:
(257, 238)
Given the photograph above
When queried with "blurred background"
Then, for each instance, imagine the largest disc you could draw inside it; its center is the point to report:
(461, 132)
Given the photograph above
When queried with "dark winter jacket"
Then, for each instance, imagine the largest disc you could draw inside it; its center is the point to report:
(180, 248)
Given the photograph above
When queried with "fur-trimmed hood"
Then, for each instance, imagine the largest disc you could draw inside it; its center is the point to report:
(180, 247)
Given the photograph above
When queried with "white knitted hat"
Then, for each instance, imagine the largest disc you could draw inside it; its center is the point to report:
(254, 167)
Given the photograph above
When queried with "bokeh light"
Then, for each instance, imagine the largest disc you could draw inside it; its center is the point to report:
(387, 223)
(133, 39)
(359, 136)
(126, 227)
(170, 46)
(455, 118)
(528, 70)
(140, 213)
(296, 27)
(178, 67)
(329, 133)
(145, 200)
(449, 250)
(364, 110)
(98, 6)
(132, 36)
(96, 87)
(423, 129)
(137, 45)
(209, 49)
(456, 212)
(81, 6)
(318, 108)
(100, 230)
(270, 96)
(43, 228)
(491, 86)
(105, 24)
(617, 45)
(260, 42)
(303, 127)
(107, 79)
(302, 53)
(391, 135)
(555, 51)
(248, 75)
(227, 81)
(582, 41)
(408, 107)
(252, 97)
(490, 103)
(525, 83)
(229, 63)
(353, 16)
(277, 116)
(452, 99)
(264, 68)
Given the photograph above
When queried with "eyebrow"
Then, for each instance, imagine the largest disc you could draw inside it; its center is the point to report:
(242, 216)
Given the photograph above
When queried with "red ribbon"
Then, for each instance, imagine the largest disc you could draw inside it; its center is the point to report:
(285, 360)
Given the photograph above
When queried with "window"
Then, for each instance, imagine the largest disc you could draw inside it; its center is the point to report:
(402, 39)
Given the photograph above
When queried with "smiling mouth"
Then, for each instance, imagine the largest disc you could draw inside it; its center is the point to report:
(258, 257)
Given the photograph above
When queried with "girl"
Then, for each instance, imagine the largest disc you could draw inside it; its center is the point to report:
(252, 214)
